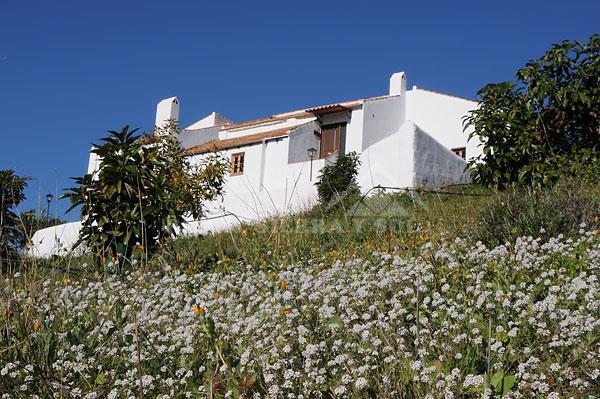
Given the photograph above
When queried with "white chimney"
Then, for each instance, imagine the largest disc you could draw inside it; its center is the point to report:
(398, 84)
(167, 109)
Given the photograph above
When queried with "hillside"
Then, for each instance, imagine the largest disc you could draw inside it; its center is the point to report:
(396, 296)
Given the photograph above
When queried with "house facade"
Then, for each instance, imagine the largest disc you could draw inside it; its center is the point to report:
(405, 138)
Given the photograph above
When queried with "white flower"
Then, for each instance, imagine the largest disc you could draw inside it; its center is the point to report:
(339, 390)
(360, 383)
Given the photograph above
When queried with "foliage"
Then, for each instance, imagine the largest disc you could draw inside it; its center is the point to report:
(545, 126)
(339, 178)
(451, 320)
(545, 212)
(196, 184)
(12, 193)
(142, 191)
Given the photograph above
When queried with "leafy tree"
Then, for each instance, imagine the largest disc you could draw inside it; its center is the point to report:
(142, 191)
(339, 178)
(546, 125)
(12, 193)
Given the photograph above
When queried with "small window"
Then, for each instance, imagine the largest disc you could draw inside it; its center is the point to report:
(237, 164)
(461, 152)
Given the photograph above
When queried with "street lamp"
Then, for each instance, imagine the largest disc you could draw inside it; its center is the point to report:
(48, 200)
(311, 153)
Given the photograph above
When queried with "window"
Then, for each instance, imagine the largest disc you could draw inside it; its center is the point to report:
(461, 152)
(331, 139)
(237, 164)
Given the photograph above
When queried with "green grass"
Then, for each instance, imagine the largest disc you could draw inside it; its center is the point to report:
(398, 222)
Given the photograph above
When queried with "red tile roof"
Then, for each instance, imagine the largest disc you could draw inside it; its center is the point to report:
(327, 109)
(260, 121)
(217, 145)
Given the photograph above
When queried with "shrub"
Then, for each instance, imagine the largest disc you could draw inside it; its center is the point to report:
(142, 191)
(547, 212)
(339, 178)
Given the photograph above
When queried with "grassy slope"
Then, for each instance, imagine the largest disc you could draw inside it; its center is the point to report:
(398, 222)
(199, 293)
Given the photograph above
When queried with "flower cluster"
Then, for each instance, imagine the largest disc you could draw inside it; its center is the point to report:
(456, 321)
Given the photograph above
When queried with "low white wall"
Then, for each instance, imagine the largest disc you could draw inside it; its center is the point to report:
(408, 158)
(252, 208)
(56, 240)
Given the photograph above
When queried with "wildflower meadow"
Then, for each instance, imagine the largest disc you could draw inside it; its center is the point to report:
(452, 320)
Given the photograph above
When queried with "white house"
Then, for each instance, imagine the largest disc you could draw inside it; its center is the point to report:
(405, 138)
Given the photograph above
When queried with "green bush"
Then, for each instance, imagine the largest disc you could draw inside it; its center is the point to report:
(143, 190)
(524, 211)
(338, 179)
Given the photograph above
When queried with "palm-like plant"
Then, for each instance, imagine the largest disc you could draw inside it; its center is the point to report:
(12, 193)
(138, 196)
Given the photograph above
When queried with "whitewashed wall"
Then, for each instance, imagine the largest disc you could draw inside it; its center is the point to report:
(56, 240)
(193, 137)
(382, 118)
(441, 117)
(269, 185)
(301, 140)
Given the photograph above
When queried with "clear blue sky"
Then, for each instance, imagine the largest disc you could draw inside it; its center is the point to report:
(71, 70)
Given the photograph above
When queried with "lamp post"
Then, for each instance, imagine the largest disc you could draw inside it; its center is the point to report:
(311, 153)
(48, 200)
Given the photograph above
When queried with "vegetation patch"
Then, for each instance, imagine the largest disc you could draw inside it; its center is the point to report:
(454, 320)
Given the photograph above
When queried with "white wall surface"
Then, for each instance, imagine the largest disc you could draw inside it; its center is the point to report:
(441, 116)
(354, 131)
(381, 118)
(56, 240)
(301, 140)
(389, 161)
(190, 138)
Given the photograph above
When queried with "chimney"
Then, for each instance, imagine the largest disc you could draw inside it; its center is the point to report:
(398, 84)
(167, 109)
